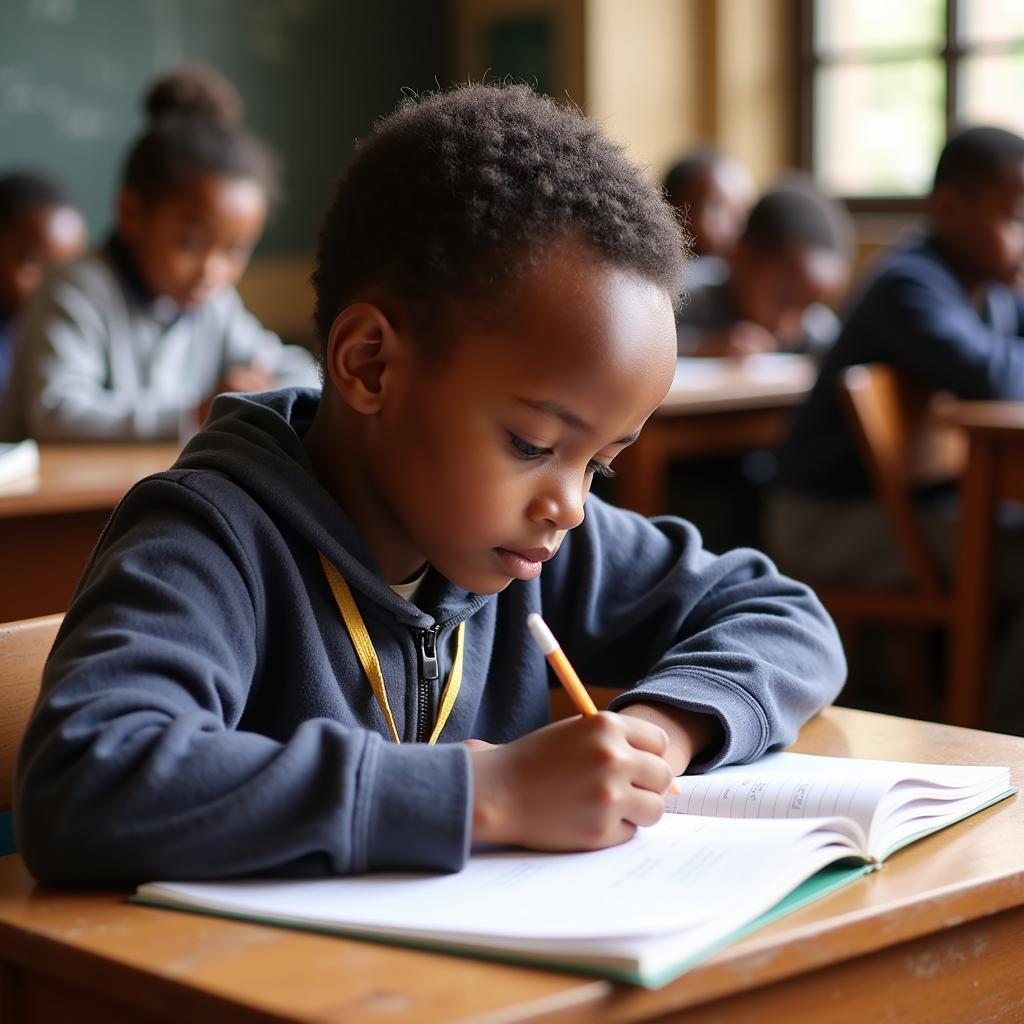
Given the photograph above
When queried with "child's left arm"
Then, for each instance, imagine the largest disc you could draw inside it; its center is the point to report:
(247, 343)
(723, 651)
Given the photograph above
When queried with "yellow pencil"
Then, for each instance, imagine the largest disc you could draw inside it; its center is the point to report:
(564, 671)
(560, 664)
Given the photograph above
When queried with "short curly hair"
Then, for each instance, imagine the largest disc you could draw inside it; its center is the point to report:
(457, 192)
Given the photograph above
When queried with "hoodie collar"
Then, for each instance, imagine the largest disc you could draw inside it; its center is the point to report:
(256, 441)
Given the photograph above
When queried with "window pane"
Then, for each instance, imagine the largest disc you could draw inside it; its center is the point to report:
(991, 89)
(878, 25)
(878, 128)
(991, 21)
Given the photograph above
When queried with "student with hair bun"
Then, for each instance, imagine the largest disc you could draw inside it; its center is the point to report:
(133, 341)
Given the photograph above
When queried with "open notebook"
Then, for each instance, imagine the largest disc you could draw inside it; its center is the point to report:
(750, 842)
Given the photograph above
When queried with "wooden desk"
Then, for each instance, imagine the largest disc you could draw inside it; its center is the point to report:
(936, 936)
(995, 472)
(714, 407)
(48, 526)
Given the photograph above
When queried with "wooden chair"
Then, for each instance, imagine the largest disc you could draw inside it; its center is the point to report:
(24, 646)
(904, 446)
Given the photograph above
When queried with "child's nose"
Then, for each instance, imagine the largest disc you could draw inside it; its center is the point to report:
(561, 505)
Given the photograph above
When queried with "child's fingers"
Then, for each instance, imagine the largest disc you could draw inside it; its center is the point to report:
(643, 807)
(642, 734)
(652, 773)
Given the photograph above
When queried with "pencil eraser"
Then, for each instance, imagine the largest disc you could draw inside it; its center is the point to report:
(539, 630)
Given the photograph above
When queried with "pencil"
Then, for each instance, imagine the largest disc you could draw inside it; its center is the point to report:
(560, 664)
(563, 669)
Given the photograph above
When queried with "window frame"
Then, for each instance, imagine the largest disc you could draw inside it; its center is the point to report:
(953, 53)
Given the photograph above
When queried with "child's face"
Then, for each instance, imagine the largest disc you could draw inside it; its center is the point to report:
(984, 229)
(775, 289)
(718, 205)
(484, 459)
(192, 243)
(39, 238)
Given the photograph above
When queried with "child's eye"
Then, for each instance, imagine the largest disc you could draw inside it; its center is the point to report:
(527, 450)
(600, 469)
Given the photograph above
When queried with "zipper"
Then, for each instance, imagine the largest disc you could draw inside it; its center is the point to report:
(428, 677)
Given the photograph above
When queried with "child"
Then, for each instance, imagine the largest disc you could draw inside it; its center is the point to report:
(792, 257)
(944, 308)
(39, 226)
(492, 338)
(713, 195)
(132, 342)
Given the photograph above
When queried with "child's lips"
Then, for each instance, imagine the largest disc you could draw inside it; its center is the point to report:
(526, 563)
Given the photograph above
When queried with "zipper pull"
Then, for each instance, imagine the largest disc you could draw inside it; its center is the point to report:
(428, 653)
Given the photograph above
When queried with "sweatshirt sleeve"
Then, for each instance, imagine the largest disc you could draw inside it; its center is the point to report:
(942, 340)
(246, 340)
(639, 604)
(67, 348)
(136, 766)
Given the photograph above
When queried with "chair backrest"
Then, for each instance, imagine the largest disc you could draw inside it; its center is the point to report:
(24, 646)
(904, 446)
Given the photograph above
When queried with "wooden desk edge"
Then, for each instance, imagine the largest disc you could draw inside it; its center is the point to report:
(822, 935)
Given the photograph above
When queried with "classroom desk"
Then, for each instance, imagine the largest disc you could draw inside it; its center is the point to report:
(937, 936)
(714, 407)
(995, 473)
(48, 525)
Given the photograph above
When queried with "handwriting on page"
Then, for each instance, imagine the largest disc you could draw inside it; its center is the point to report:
(753, 794)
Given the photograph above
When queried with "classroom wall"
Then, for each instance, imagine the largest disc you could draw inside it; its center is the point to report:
(314, 75)
(660, 75)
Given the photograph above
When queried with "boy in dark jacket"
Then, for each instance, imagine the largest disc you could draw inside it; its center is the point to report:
(272, 635)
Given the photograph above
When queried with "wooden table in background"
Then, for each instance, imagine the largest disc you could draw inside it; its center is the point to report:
(995, 473)
(48, 526)
(937, 937)
(714, 407)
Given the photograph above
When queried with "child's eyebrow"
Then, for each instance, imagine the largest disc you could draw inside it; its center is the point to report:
(567, 416)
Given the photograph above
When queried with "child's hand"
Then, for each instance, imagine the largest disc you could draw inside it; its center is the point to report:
(579, 784)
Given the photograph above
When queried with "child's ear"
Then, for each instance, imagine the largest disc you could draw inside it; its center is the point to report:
(362, 350)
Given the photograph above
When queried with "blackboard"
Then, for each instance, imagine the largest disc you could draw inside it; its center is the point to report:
(314, 75)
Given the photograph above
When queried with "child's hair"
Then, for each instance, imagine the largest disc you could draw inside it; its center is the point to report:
(21, 191)
(976, 157)
(195, 128)
(796, 212)
(457, 192)
(680, 177)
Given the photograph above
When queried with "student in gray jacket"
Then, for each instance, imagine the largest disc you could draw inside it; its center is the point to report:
(133, 342)
(303, 650)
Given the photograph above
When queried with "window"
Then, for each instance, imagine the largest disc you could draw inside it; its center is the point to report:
(885, 81)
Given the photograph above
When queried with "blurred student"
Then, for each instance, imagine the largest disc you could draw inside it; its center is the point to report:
(133, 342)
(40, 226)
(946, 309)
(712, 194)
(792, 257)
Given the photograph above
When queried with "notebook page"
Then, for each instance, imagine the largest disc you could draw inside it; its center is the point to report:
(786, 785)
(682, 872)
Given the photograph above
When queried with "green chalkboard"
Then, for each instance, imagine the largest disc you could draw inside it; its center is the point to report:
(314, 75)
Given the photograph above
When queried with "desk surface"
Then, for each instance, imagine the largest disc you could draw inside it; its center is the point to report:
(941, 929)
(79, 478)
(720, 385)
(714, 407)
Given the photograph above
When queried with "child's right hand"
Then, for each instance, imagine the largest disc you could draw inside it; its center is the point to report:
(579, 784)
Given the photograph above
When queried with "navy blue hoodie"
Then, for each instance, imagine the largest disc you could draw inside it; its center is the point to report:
(203, 713)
